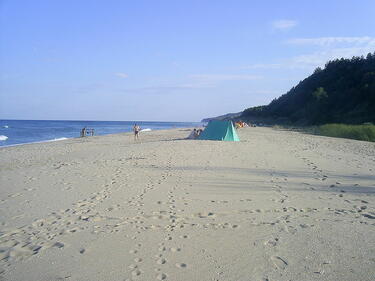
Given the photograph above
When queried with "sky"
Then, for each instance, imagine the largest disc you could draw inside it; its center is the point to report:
(167, 60)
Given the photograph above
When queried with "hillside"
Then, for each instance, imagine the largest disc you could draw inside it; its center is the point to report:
(342, 92)
(223, 117)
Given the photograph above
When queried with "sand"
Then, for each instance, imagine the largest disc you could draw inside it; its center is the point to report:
(279, 205)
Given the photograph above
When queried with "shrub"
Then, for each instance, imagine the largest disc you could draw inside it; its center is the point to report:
(364, 132)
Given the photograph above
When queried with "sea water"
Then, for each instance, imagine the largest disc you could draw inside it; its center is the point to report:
(14, 132)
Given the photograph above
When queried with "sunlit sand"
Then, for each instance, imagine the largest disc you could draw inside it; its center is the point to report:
(278, 205)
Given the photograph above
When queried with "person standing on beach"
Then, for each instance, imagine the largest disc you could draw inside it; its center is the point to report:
(136, 130)
(83, 132)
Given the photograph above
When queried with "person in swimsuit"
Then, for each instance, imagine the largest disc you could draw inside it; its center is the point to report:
(136, 130)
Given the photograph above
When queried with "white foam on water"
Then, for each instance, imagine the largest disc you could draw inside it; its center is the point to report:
(58, 139)
(146, 130)
(3, 138)
(17, 144)
(5, 126)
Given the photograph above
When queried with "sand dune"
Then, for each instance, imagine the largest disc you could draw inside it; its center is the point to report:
(279, 205)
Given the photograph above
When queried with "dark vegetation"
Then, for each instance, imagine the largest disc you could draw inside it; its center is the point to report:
(365, 132)
(342, 92)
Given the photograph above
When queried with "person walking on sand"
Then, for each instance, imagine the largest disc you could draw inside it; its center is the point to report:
(136, 130)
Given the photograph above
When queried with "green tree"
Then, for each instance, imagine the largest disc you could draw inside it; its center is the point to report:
(341, 92)
(320, 94)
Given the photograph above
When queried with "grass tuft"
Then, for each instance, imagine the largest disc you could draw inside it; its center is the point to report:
(365, 132)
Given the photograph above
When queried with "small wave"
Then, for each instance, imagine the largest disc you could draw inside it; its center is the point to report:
(6, 126)
(3, 138)
(57, 139)
(146, 130)
(17, 144)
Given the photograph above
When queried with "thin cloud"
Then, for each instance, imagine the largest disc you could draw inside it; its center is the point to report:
(329, 41)
(224, 77)
(201, 85)
(165, 89)
(122, 75)
(330, 48)
(263, 66)
(327, 48)
(321, 57)
(284, 24)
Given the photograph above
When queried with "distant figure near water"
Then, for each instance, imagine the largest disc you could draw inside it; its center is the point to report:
(83, 132)
(136, 130)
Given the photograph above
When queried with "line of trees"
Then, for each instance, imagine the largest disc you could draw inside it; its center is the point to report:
(342, 92)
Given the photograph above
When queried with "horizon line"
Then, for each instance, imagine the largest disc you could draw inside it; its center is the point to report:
(1, 119)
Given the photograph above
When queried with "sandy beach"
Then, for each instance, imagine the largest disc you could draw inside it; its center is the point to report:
(278, 205)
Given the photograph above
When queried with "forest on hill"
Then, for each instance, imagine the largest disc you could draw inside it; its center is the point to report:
(342, 92)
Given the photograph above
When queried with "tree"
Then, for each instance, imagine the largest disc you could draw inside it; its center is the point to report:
(317, 70)
(343, 91)
(320, 94)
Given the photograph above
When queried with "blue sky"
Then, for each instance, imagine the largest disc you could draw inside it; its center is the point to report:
(167, 60)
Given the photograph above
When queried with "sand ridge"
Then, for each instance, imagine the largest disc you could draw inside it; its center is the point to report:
(279, 205)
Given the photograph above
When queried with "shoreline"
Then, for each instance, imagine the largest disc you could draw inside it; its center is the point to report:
(278, 205)
(65, 138)
(52, 140)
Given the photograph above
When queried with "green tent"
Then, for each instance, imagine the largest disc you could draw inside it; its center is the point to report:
(219, 130)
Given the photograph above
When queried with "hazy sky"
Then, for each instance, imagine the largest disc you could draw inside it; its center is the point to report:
(167, 60)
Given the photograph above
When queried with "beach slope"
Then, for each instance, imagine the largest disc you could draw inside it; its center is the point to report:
(278, 205)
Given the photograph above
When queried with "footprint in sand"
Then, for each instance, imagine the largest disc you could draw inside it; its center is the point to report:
(279, 262)
(368, 216)
(161, 261)
(174, 250)
(14, 195)
(58, 245)
(136, 273)
(161, 276)
(181, 265)
(290, 229)
(271, 242)
(133, 266)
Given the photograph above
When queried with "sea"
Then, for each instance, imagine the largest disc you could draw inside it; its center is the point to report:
(15, 132)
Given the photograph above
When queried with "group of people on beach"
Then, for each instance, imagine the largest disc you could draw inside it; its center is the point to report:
(136, 129)
(241, 124)
(195, 133)
(85, 132)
